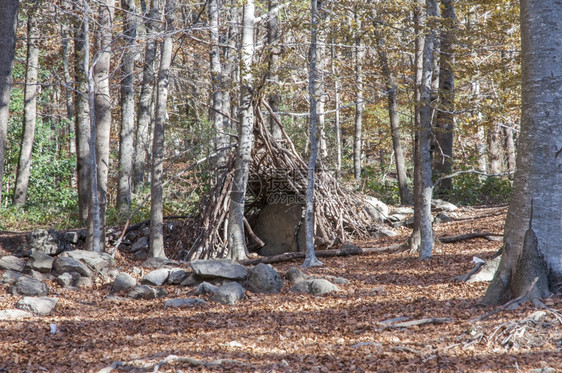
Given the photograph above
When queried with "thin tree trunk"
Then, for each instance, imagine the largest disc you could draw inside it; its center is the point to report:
(320, 87)
(81, 117)
(156, 201)
(29, 110)
(126, 143)
(358, 136)
(273, 41)
(510, 149)
(443, 154)
(236, 237)
(8, 24)
(337, 124)
(144, 116)
(494, 150)
(311, 259)
(68, 91)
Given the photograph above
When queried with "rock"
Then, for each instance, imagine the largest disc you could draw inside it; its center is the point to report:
(146, 292)
(72, 237)
(159, 263)
(73, 280)
(315, 286)
(206, 288)
(441, 218)
(376, 209)
(41, 262)
(440, 205)
(12, 262)
(340, 281)
(13, 314)
(183, 302)
(219, 269)
(97, 261)
(403, 210)
(140, 244)
(65, 264)
(190, 280)
(123, 282)
(141, 254)
(29, 286)
(296, 275)
(44, 241)
(10, 276)
(176, 276)
(157, 277)
(109, 274)
(264, 278)
(42, 306)
(41, 276)
(384, 232)
(487, 271)
(229, 293)
(142, 292)
(277, 225)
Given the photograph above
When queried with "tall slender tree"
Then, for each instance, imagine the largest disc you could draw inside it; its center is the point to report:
(30, 107)
(8, 24)
(156, 188)
(359, 52)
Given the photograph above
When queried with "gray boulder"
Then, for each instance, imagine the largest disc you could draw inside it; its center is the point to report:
(44, 241)
(176, 276)
(296, 275)
(29, 286)
(123, 282)
(206, 288)
(219, 269)
(10, 276)
(183, 302)
(42, 306)
(65, 264)
(73, 280)
(277, 225)
(12, 262)
(72, 237)
(140, 244)
(229, 293)
(153, 262)
(157, 277)
(41, 262)
(98, 261)
(441, 218)
(146, 292)
(440, 205)
(264, 278)
(377, 209)
(315, 286)
(12, 314)
(384, 232)
(487, 271)
(41, 276)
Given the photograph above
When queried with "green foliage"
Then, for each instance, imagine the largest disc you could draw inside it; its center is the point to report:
(469, 189)
(376, 184)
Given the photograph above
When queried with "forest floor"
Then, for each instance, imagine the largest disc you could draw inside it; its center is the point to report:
(288, 332)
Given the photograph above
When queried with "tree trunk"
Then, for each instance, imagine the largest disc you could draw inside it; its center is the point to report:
(311, 259)
(358, 128)
(510, 149)
(391, 88)
(126, 144)
(530, 266)
(320, 87)
(236, 236)
(66, 35)
(424, 136)
(144, 112)
(29, 110)
(443, 154)
(8, 24)
(81, 118)
(337, 122)
(494, 150)
(274, 50)
(156, 201)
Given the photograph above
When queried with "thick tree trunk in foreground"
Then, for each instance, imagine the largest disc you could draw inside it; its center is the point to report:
(236, 236)
(532, 240)
(8, 23)
(29, 110)
(126, 146)
(156, 187)
(311, 259)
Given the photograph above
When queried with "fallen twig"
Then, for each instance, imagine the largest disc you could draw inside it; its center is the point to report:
(470, 236)
(432, 320)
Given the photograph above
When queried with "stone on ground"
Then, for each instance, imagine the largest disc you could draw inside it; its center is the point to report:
(29, 286)
(264, 278)
(157, 277)
(98, 261)
(176, 276)
(229, 293)
(12, 262)
(64, 264)
(206, 288)
(14, 314)
(123, 282)
(40, 262)
(42, 306)
(44, 241)
(219, 269)
(183, 302)
(315, 286)
(277, 226)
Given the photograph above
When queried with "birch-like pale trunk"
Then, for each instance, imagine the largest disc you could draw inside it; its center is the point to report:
(8, 24)
(337, 120)
(358, 125)
(236, 236)
(29, 109)
(126, 143)
(156, 187)
(144, 112)
(311, 260)
(532, 248)
(274, 50)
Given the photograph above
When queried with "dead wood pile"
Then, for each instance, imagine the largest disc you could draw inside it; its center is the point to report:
(277, 175)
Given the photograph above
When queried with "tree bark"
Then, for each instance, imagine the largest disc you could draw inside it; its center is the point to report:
(29, 110)
(311, 259)
(156, 188)
(445, 120)
(494, 150)
(144, 112)
(337, 121)
(8, 24)
(126, 143)
(236, 236)
(274, 50)
(510, 149)
(530, 265)
(358, 127)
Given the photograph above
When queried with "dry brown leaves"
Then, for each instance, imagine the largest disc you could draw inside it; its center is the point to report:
(287, 332)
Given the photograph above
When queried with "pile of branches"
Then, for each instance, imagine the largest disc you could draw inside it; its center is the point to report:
(278, 174)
